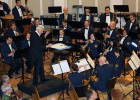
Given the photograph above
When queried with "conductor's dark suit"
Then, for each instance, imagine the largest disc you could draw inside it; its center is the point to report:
(36, 49)
(61, 18)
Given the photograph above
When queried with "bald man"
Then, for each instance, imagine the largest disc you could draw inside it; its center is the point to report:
(112, 33)
(65, 16)
(104, 72)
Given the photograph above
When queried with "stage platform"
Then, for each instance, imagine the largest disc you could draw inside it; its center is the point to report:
(52, 86)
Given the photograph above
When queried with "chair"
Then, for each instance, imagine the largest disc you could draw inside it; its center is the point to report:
(3, 64)
(73, 95)
(82, 88)
(36, 95)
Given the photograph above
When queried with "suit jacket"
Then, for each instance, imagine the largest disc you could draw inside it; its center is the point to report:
(5, 50)
(91, 29)
(24, 44)
(84, 18)
(36, 46)
(113, 35)
(65, 38)
(11, 33)
(16, 14)
(6, 8)
(103, 17)
(118, 65)
(69, 28)
(94, 48)
(61, 18)
(76, 78)
(134, 27)
(33, 29)
(105, 73)
(111, 56)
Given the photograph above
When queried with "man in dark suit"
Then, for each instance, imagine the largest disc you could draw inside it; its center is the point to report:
(4, 6)
(87, 16)
(104, 72)
(107, 17)
(94, 47)
(36, 50)
(112, 33)
(65, 16)
(126, 41)
(132, 25)
(7, 52)
(91, 94)
(65, 25)
(37, 22)
(18, 13)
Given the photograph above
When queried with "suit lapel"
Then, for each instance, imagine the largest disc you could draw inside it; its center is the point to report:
(8, 47)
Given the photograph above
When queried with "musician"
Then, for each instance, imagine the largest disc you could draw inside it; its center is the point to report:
(126, 41)
(112, 33)
(76, 78)
(87, 16)
(132, 25)
(65, 16)
(65, 25)
(118, 62)
(86, 31)
(18, 13)
(109, 52)
(104, 72)
(94, 47)
(91, 95)
(4, 6)
(107, 17)
(7, 52)
(36, 49)
(63, 38)
(37, 22)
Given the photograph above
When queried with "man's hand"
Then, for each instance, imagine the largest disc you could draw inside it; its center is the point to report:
(81, 41)
(86, 41)
(47, 33)
(104, 29)
(49, 45)
(11, 54)
(107, 36)
(17, 33)
(79, 29)
(25, 17)
(13, 51)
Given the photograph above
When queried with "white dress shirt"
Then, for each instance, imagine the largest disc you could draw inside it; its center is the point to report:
(15, 32)
(111, 31)
(60, 38)
(19, 11)
(28, 42)
(122, 40)
(86, 33)
(10, 46)
(65, 27)
(87, 17)
(131, 25)
(108, 20)
(1, 8)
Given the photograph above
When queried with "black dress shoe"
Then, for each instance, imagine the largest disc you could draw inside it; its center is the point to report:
(17, 73)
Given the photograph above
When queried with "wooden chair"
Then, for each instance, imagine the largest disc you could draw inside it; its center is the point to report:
(73, 95)
(36, 95)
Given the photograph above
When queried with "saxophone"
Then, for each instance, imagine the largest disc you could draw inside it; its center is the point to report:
(115, 19)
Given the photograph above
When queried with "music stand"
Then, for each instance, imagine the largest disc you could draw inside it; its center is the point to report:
(2, 13)
(21, 22)
(20, 54)
(121, 8)
(60, 68)
(75, 24)
(92, 9)
(18, 38)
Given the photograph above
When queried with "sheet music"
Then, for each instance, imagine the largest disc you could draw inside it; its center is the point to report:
(135, 61)
(82, 62)
(60, 46)
(90, 61)
(132, 65)
(63, 65)
(136, 57)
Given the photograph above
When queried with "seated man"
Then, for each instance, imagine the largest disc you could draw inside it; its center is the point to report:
(4, 6)
(104, 72)
(7, 52)
(76, 78)
(65, 25)
(7, 90)
(62, 38)
(91, 95)
(94, 47)
(37, 22)
(132, 25)
(87, 16)
(65, 16)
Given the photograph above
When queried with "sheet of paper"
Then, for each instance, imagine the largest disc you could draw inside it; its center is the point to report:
(64, 66)
(60, 46)
(135, 62)
(132, 65)
(56, 69)
(136, 57)
(90, 61)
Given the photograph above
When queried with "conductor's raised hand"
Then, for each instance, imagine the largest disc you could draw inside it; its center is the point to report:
(49, 45)
(47, 33)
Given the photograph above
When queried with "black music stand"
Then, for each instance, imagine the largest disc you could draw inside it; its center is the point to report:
(20, 54)
(121, 8)
(18, 38)
(92, 9)
(75, 24)
(21, 22)
(2, 13)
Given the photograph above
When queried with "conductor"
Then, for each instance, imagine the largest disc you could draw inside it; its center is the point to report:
(36, 49)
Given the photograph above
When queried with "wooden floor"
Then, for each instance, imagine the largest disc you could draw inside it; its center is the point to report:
(116, 93)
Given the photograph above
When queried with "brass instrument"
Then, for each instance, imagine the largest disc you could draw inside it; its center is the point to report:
(115, 19)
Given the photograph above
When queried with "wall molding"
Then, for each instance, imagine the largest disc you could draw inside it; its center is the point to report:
(41, 7)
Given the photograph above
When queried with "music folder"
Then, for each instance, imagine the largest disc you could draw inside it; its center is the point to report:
(21, 22)
(21, 53)
(92, 9)
(121, 8)
(75, 24)
(60, 67)
(18, 38)
(2, 13)
(56, 9)
(100, 25)
(50, 21)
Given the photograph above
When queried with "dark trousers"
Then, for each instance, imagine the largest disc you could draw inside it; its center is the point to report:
(38, 69)
(15, 66)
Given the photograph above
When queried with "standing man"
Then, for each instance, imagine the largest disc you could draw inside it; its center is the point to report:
(4, 6)
(65, 16)
(36, 49)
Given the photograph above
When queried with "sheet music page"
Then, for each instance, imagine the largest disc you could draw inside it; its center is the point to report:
(135, 63)
(132, 65)
(60, 46)
(56, 69)
(90, 61)
(82, 62)
(136, 57)
(64, 65)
